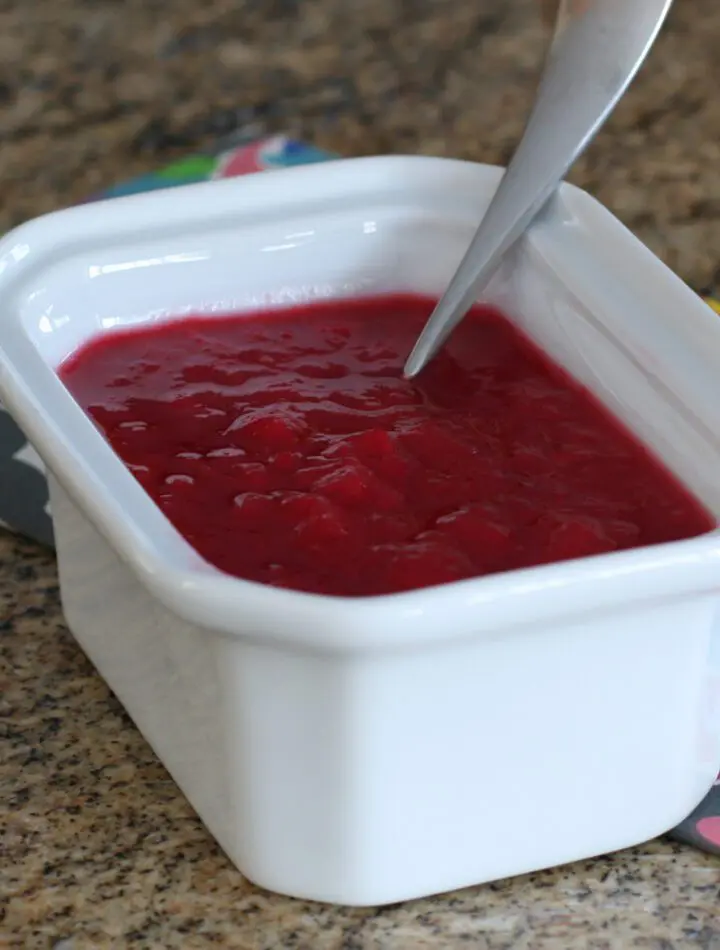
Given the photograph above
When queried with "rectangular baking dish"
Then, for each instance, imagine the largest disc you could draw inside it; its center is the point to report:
(365, 751)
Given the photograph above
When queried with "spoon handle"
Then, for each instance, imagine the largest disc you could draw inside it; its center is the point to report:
(597, 49)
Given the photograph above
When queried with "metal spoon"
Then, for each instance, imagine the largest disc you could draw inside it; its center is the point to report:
(597, 48)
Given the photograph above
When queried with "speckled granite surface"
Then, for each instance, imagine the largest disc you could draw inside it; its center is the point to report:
(98, 847)
(102, 852)
(95, 89)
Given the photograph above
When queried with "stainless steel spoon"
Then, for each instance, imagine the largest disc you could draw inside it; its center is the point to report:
(597, 49)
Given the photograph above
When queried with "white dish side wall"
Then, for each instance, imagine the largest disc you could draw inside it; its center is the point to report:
(365, 780)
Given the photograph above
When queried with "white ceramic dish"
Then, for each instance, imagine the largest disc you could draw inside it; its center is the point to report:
(367, 751)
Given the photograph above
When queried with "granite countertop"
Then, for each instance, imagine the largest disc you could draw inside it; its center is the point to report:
(100, 848)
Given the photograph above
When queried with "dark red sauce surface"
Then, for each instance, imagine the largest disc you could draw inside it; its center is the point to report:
(288, 449)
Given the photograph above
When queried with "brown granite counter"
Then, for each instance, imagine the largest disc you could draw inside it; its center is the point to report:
(93, 90)
(98, 849)
(102, 852)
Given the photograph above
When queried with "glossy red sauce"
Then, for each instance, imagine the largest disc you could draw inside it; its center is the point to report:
(288, 449)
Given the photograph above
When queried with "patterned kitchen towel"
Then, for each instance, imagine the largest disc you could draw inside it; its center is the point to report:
(23, 490)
